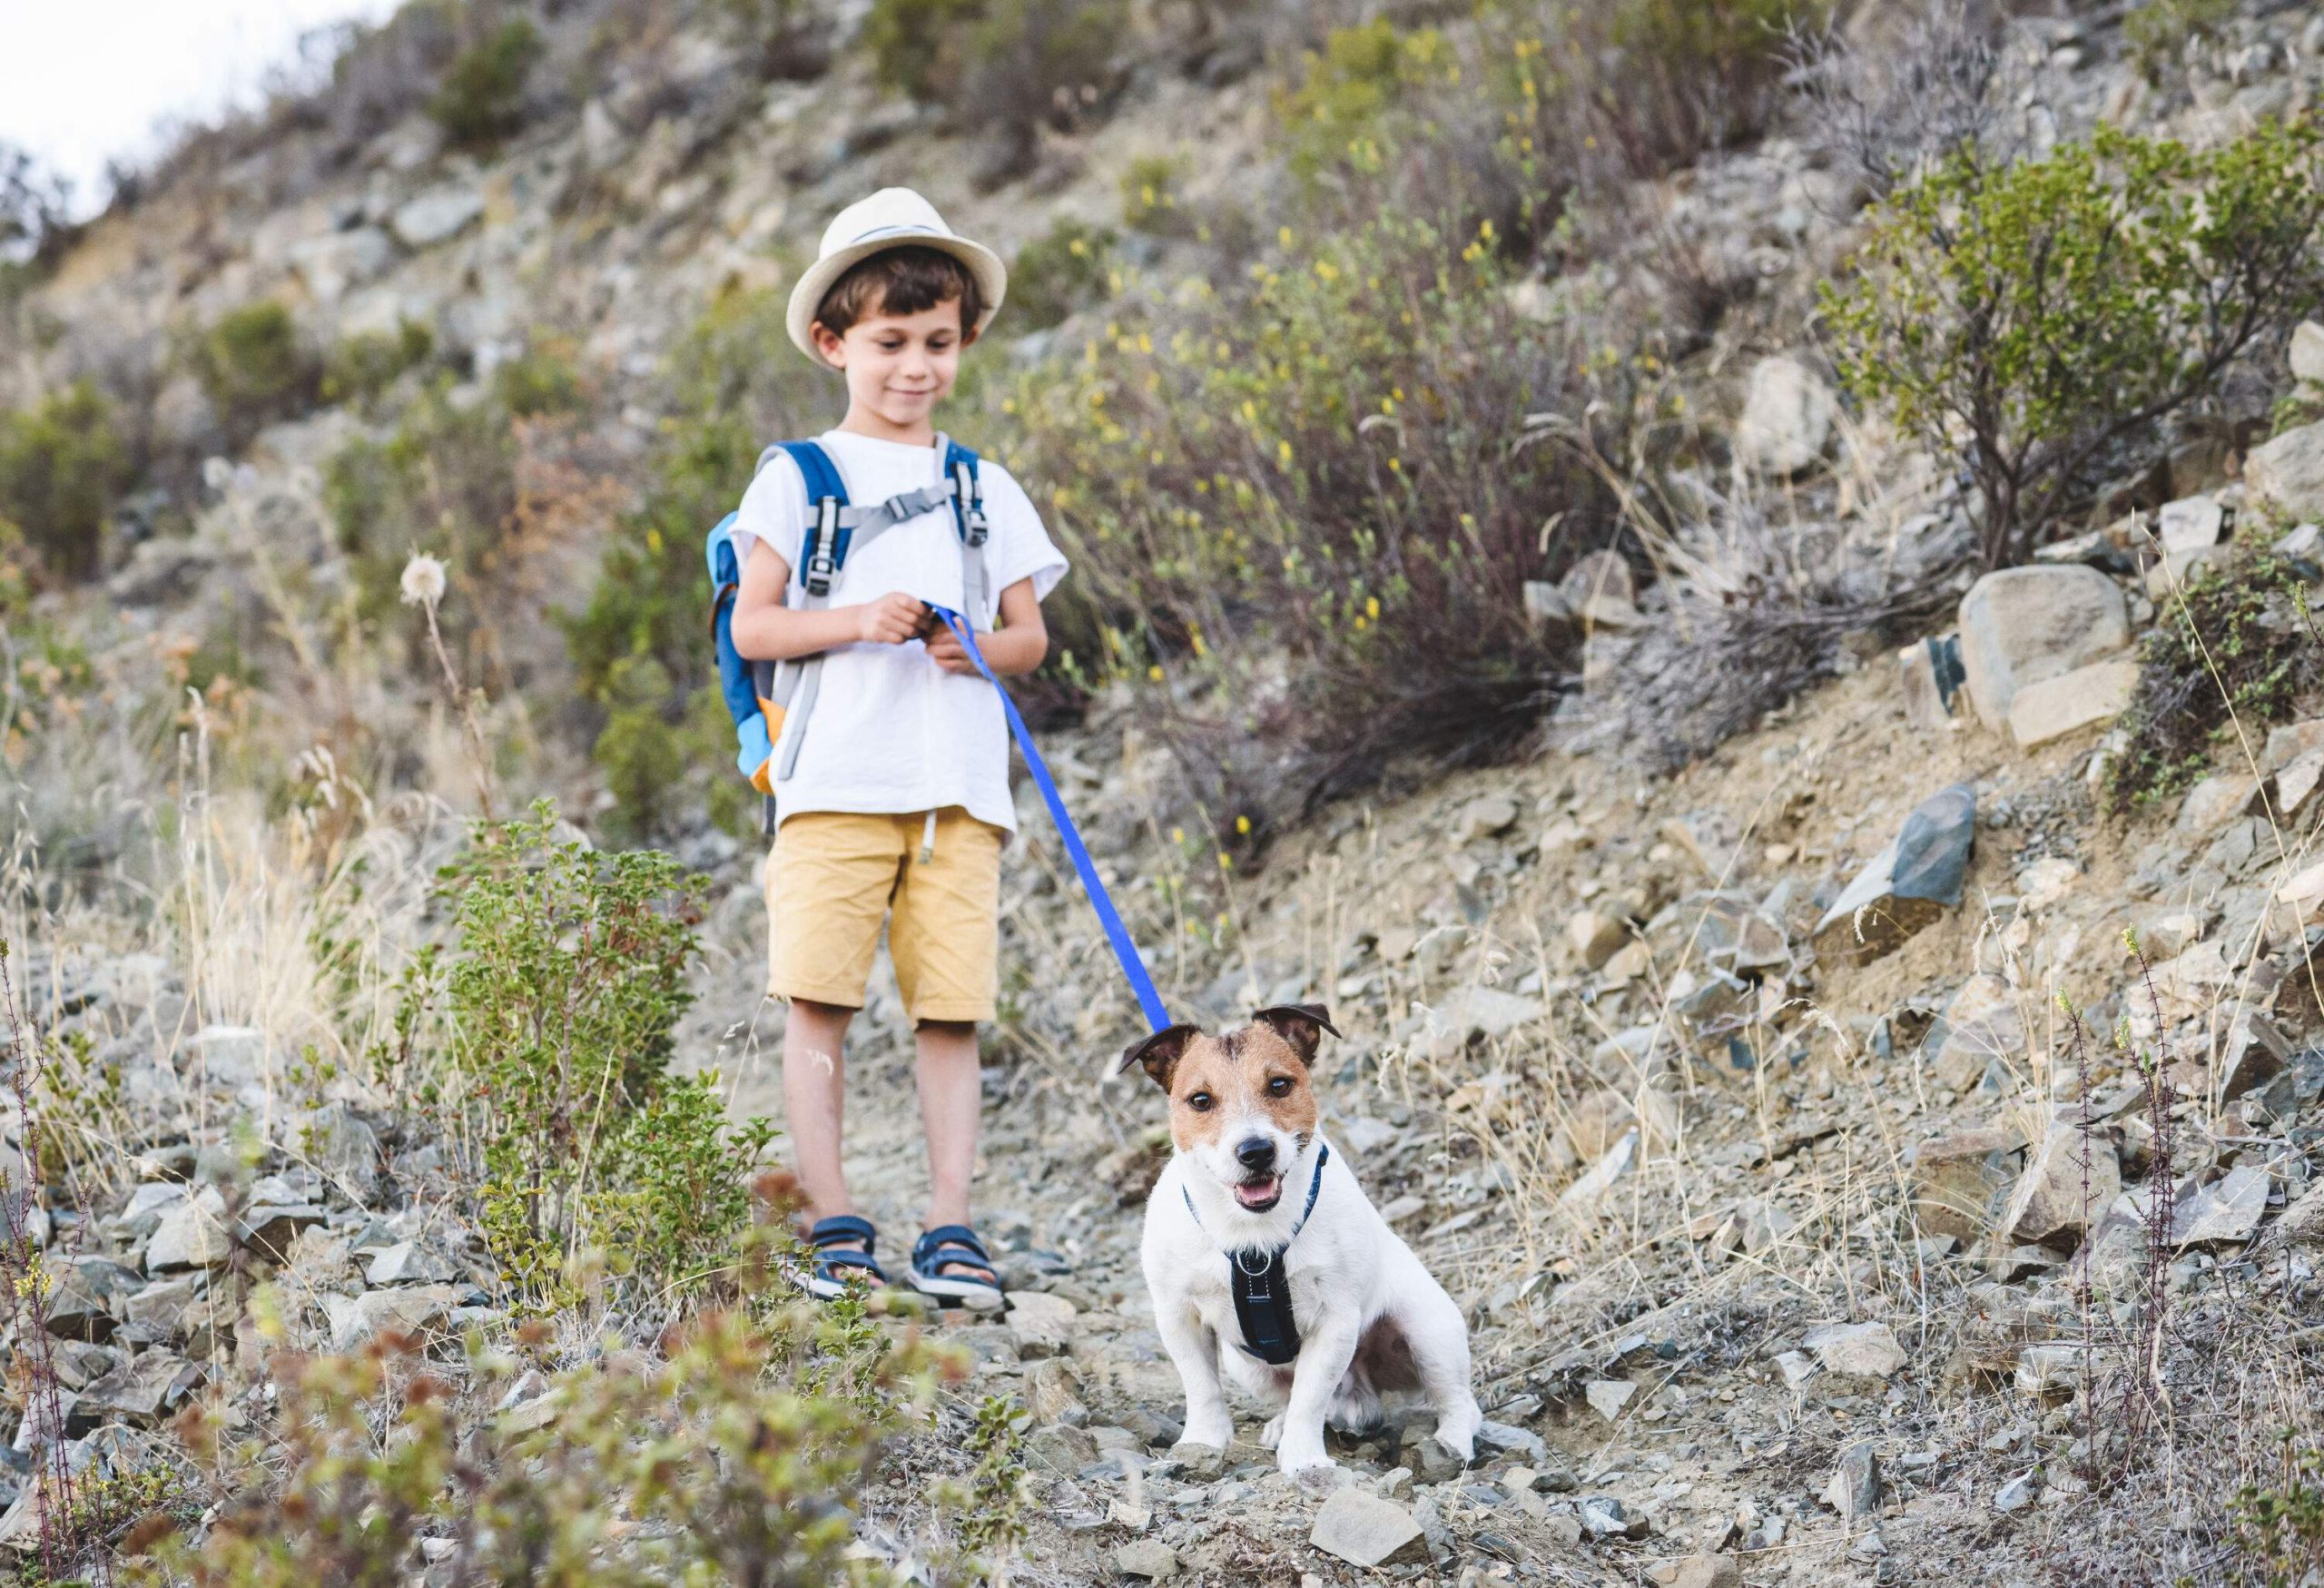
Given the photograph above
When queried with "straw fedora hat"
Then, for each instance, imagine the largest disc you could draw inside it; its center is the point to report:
(894, 217)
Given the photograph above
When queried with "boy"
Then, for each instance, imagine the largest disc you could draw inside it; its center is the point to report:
(897, 803)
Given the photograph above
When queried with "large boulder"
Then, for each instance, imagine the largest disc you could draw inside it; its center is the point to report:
(2021, 625)
(2285, 477)
(1786, 418)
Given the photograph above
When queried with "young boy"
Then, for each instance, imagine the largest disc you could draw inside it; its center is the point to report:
(898, 802)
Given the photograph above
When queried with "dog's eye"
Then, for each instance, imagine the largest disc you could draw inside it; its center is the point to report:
(1199, 1101)
(1280, 1087)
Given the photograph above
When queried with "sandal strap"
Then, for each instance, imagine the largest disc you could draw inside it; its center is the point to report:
(950, 1238)
(842, 1227)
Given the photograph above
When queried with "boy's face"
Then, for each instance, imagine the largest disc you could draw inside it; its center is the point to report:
(899, 366)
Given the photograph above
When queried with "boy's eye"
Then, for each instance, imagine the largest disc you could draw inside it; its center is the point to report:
(1199, 1101)
(1280, 1087)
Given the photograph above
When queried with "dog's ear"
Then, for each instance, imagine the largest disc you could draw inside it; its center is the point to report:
(1302, 1025)
(1161, 1051)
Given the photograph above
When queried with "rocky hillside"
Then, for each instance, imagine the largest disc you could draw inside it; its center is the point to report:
(1853, 1048)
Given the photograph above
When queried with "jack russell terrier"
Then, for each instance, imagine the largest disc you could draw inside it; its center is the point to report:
(1268, 1264)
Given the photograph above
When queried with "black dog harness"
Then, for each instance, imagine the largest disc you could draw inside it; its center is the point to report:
(1262, 1286)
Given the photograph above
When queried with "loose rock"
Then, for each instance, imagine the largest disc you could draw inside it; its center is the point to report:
(1366, 1530)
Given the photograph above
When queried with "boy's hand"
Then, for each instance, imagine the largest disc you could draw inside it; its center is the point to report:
(945, 649)
(890, 620)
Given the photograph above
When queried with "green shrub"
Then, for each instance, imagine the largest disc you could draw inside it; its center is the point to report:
(1150, 196)
(60, 466)
(1005, 64)
(481, 99)
(732, 390)
(739, 1457)
(562, 997)
(2158, 32)
(256, 368)
(2279, 1530)
(1065, 269)
(444, 483)
(541, 380)
(1687, 76)
(782, 35)
(2048, 315)
(2236, 646)
(1347, 91)
(362, 368)
(1322, 468)
(907, 41)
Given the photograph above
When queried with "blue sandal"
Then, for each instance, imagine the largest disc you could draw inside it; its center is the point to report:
(955, 1245)
(835, 1261)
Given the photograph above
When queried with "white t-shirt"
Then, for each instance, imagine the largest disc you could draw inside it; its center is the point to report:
(891, 732)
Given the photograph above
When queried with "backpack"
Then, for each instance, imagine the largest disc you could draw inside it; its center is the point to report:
(770, 701)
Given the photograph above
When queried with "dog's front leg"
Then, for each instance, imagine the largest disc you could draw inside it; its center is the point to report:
(1322, 1362)
(1193, 1351)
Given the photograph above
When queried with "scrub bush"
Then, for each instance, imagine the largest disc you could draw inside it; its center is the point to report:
(1326, 466)
(738, 1453)
(60, 466)
(1066, 269)
(2044, 317)
(481, 98)
(641, 644)
(2235, 646)
(561, 999)
(362, 366)
(1005, 66)
(256, 368)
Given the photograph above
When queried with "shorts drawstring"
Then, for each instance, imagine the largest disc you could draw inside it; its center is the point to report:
(928, 840)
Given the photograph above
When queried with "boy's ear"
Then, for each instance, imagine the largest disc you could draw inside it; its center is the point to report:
(1302, 1025)
(1161, 1053)
(828, 343)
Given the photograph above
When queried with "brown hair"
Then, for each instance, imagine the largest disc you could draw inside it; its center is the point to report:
(902, 280)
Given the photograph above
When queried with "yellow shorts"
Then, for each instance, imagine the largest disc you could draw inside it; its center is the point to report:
(834, 874)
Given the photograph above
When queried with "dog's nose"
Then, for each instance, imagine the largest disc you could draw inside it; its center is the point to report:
(1256, 1154)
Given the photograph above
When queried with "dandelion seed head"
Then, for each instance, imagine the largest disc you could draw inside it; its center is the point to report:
(423, 581)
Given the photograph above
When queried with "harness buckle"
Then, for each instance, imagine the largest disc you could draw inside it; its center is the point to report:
(820, 570)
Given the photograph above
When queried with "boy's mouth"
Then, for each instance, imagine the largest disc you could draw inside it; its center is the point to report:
(1258, 1196)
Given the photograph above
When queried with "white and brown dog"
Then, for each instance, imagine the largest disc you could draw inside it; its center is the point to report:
(1269, 1265)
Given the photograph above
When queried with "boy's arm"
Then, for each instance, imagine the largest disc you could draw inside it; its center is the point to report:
(1019, 645)
(765, 630)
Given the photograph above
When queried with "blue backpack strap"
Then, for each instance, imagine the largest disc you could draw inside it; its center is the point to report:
(968, 498)
(822, 550)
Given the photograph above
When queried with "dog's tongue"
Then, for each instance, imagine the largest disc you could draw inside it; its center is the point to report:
(1258, 1193)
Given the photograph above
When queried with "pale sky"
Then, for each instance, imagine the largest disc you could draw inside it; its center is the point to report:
(83, 81)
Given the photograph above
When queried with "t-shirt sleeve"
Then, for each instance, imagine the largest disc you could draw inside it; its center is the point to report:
(774, 509)
(1021, 547)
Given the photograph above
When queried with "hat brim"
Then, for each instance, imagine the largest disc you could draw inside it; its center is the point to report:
(984, 267)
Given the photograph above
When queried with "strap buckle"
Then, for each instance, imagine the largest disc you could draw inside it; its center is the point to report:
(820, 570)
(974, 528)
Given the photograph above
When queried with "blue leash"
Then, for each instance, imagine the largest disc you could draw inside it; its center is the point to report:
(1157, 1017)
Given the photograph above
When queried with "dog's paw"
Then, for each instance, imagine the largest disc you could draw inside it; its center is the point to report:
(1271, 1436)
(1458, 1438)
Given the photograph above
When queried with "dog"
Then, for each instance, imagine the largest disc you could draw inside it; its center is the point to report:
(1253, 1211)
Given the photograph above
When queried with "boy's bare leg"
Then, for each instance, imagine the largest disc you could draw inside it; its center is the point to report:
(950, 1098)
(814, 1095)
